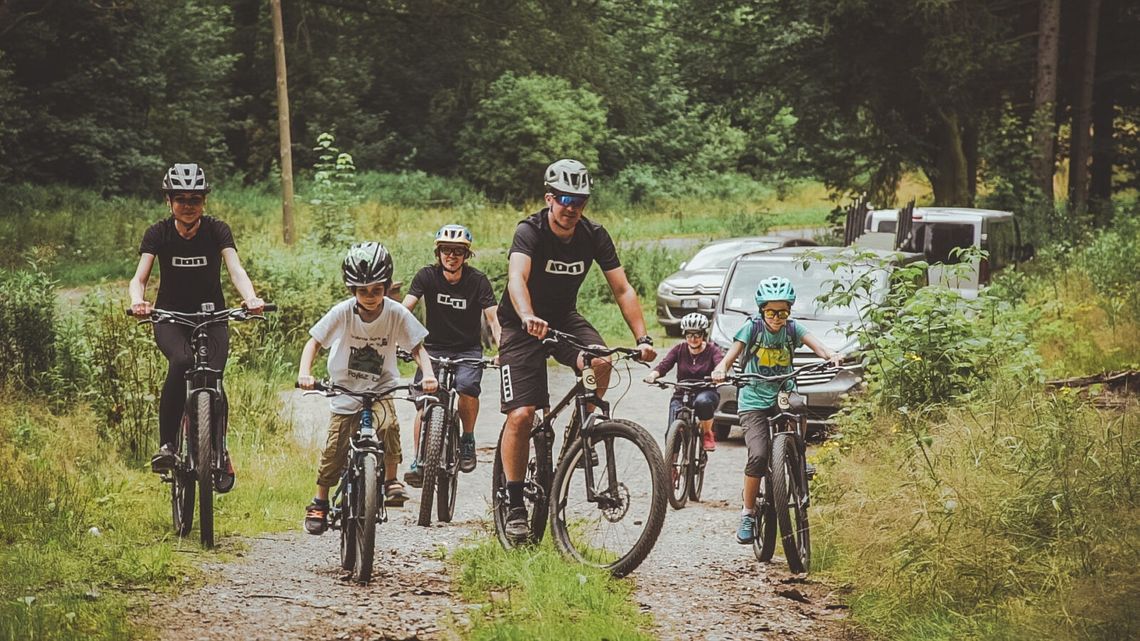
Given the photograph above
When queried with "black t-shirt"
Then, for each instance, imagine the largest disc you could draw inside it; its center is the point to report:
(453, 311)
(557, 268)
(189, 269)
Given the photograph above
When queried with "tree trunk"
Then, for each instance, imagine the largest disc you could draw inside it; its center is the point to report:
(948, 178)
(1103, 149)
(285, 140)
(1082, 114)
(1045, 95)
(970, 147)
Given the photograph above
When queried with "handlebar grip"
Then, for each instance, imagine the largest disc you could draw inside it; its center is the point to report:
(270, 307)
(129, 312)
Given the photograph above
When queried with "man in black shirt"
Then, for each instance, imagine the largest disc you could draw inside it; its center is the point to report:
(190, 248)
(455, 295)
(549, 258)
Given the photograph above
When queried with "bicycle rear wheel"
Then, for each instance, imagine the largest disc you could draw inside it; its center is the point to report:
(448, 484)
(699, 460)
(182, 483)
(368, 495)
(765, 542)
(204, 458)
(536, 490)
(676, 462)
(616, 530)
(432, 427)
(789, 494)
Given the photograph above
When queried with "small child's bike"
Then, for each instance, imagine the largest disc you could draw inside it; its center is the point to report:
(685, 456)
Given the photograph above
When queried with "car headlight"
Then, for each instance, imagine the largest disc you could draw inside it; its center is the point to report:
(664, 289)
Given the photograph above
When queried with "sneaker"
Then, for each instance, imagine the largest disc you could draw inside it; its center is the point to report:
(394, 494)
(518, 526)
(226, 478)
(709, 441)
(747, 530)
(316, 518)
(163, 459)
(414, 476)
(467, 460)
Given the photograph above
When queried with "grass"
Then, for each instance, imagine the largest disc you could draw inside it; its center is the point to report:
(535, 594)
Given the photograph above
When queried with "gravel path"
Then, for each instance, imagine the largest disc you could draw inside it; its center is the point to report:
(698, 583)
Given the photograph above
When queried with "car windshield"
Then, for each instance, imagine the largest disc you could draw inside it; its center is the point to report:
(809, 284)
(720, 255)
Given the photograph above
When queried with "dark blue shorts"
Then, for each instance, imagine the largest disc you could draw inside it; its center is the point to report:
(468, 378)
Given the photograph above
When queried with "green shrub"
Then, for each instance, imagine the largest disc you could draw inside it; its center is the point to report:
(27, 327)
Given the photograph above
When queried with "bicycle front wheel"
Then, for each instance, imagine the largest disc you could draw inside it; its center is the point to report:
(431, 454)
(789, 498)
(676, 461)
(698, 461)
(368, 497)
(182, 483)
(615, 525)
(204, 458)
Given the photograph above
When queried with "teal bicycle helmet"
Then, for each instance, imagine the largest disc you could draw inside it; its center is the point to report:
(775, 288)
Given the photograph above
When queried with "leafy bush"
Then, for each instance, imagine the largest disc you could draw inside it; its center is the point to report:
(333, 193)
(27, 326)
(418, 189)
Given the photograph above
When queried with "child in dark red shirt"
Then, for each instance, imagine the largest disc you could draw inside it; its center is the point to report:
(695, 360)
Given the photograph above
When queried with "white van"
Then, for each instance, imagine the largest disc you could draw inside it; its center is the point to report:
(938, 230)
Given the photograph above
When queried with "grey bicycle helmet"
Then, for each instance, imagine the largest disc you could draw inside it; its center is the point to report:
(775, 288)
(185, 176)
(454, 234)
(695, 322)
(366, 264)
(568, 176)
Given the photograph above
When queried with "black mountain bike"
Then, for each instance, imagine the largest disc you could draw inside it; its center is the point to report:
(685, 455)
(358, 502)
(784, 497)
(439, 441)
(605, 496)
(201, 440)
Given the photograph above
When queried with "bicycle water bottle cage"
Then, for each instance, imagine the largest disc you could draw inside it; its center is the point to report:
(207, 307)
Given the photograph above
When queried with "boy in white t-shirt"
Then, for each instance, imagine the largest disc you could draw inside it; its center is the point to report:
(362, 334)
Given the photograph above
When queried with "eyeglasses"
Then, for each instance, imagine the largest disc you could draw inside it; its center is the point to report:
(698, 334)
(777, 313)
(189, 201)
(453, 251)
(568, 200)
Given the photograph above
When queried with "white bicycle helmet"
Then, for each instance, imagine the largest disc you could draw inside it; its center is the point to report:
(695, 322)
(186, 176)
(568, 176)
(453, 234)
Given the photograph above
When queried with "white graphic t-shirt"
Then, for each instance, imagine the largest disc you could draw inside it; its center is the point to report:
(362, 356)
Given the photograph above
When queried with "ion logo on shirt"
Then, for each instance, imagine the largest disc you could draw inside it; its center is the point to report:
(187, 261)
(565, 269)
(455, 303)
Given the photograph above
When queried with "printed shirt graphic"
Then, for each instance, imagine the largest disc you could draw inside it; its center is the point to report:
(771, 355)
(557, 268)
(362, 356)
(453, 311)
(189, 270)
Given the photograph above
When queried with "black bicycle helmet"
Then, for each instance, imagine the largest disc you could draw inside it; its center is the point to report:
(186, 176)
(365, 264)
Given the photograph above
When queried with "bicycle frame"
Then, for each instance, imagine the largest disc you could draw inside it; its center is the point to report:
(365, 441)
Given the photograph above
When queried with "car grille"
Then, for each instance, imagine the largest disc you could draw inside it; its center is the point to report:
(693, 291)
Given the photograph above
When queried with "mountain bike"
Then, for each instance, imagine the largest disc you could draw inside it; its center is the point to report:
(685, 455)
(784, 494)
(200, 443)
(358, 502)
(439, 441)
(605, 495)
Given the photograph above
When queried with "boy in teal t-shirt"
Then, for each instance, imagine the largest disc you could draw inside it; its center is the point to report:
(771, 356)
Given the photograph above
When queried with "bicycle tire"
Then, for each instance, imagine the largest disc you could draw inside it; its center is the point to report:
(432, 427)
(536, 496)
(448, 487)
(203, 423)
(182, 484)
(348, 509)
(572, 534)
(764, 545)
(676, 461)
(365, 522)
(697, 474)
(785, 502)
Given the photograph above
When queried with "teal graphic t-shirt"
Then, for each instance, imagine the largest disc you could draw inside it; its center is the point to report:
(771, 355)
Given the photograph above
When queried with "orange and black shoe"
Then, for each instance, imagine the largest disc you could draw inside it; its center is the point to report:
(317, 517)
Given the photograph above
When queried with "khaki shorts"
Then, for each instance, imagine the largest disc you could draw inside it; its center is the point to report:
(341, 429)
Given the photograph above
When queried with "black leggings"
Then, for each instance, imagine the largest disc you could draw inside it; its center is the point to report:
(174, 341)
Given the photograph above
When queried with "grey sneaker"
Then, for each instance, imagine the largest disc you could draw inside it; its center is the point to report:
(518, 526)
(414, 476)
(467, 460)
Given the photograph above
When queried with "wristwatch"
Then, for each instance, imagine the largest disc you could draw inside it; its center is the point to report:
(645, 340)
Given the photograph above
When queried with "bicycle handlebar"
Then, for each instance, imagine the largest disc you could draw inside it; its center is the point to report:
(744, 378)
(196, 318)
(554, 336)
(482, 363)
(690, 384)
(328, 388)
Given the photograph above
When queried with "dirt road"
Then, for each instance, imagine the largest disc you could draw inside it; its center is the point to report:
(698, 583)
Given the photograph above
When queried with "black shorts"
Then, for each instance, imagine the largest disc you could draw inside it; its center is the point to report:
(522, 360)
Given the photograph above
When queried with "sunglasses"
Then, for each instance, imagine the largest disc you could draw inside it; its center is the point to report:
(453, 251)
(688, 334)
(774, 313)
(189, 201)
(568, 200)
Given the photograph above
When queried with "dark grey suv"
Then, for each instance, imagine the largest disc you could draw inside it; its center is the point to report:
(695, 287)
